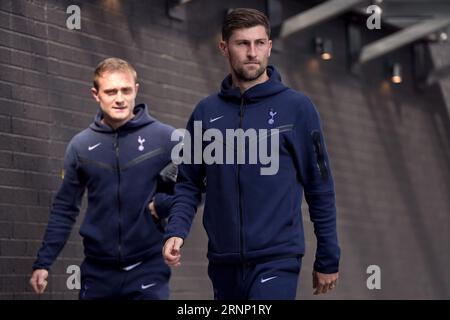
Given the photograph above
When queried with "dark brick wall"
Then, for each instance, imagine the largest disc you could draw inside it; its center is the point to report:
(389, 145)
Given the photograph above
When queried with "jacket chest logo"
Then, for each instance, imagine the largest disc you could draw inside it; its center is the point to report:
(272, 115)
(141, 143)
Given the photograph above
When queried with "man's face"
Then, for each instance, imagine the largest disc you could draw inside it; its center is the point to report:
(116, 95)
(248, 52)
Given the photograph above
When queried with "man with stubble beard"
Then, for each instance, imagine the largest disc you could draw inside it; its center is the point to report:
(253, 220)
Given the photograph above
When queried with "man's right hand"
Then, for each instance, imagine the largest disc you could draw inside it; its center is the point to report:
(171, 251)
(38, 280)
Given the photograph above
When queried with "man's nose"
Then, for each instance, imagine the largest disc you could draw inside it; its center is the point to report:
(119, 97)
(251, 51)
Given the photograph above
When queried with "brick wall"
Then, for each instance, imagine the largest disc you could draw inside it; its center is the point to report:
(388, 144)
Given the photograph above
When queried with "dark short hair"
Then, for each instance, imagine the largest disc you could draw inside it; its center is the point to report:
(112, 65)
(243, 18)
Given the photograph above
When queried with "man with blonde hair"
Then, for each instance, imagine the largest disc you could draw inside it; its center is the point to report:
(123, 160)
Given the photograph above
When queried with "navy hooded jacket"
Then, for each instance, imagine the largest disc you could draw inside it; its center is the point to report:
(120, 169)
(249, 216)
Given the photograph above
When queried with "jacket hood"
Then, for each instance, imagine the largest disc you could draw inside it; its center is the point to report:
(256, 93)
(141, 118)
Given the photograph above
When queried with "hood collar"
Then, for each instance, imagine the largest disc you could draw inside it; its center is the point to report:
(256, 93)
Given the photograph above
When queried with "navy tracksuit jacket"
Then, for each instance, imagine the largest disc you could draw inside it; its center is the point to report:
(253, 217)
(120, 169)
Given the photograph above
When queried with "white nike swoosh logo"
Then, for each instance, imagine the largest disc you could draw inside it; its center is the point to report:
(146, 286)
(132, 266)
(212, 120)
(268, 279)
(94, 146)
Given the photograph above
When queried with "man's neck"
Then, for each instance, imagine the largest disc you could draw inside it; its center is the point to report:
(115, 125)
(245, 85)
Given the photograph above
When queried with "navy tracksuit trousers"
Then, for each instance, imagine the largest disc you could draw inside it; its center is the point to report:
(145, 280)
(270, 280)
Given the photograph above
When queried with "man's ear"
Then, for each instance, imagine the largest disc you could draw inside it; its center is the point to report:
(137, 87)
(94, 93)
(223, 48)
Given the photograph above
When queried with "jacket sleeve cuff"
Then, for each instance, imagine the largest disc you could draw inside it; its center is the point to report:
(167, 236)
(40, 265)
(326, 267)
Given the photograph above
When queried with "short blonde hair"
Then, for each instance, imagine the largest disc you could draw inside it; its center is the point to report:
(111, 65)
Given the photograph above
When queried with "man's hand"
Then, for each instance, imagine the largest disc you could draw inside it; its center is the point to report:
(171, 251)
(151, 207)
(38, 280)
(322, 282)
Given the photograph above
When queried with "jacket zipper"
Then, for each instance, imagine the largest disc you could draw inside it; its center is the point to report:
(241, 217)
(116, 145)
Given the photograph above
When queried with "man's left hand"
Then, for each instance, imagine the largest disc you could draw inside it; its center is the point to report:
(322, 282)
(151, 207)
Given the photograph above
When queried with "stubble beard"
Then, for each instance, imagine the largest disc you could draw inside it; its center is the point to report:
(244, 75)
